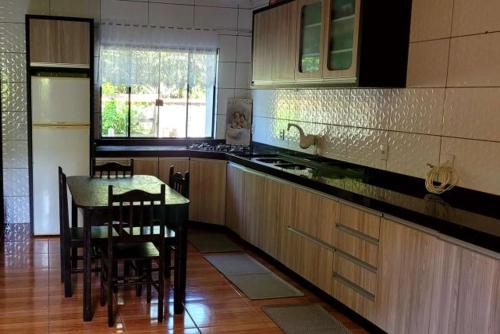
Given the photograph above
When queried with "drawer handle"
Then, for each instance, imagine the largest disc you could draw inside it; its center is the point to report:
(358, 234)
(355, 260)
(354, 287)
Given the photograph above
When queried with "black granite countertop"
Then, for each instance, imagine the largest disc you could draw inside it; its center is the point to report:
(467, 215)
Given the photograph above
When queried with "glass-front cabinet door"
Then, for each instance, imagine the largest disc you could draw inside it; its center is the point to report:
(341, 40)
(310, 27)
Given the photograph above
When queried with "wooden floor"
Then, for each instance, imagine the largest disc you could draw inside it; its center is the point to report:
(32, 300)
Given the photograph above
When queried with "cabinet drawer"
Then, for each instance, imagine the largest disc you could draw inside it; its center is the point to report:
(355, 273)
(355, 299)
(363, 249)
(360, 221)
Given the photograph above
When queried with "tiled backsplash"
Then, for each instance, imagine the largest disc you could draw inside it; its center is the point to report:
(451, 105)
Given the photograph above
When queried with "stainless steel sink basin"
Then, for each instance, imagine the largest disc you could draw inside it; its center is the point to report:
(273, 161)
(291, 166)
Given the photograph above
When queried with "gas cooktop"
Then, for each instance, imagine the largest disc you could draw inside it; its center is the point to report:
(219, 148)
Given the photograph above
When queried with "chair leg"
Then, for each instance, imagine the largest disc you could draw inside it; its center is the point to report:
(168, 260)
(110, 267)
(68, 290)
(149, 278)
(139, 272)
(61, 251)
(102, 299)
(74, 257)
(161, 287)
(114, 266)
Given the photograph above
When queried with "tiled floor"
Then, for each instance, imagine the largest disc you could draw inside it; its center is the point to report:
(32, 300)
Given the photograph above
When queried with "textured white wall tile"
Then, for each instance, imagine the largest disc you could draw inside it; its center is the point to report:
(78, 8)
(17, 210)
(366, 108)
(477, 163)
(12, 37)
(243, 93)
(14, 125)
(245, 17)
(220, 127)
(263, 102)
(474, 17)
(14, 96)
(171, 15)
(430, 19)
(242, 75)
(286, 104)
(333, 143)
(15, 182)
(227, 46)
(244, 49)
(222, 96)
(474, 61)
(409, 153)
(124, 12)
(417, 110)
(472, 113)
(428, 64)
(15, 154)
(364, 147)
(216, 17)
(226, 75)
(13, 67)
(15, 10)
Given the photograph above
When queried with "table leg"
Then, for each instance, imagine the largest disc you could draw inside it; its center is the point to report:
(74, 225)
(181, 219)
(87, 266)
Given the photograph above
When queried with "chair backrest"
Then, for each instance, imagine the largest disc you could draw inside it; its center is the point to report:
(113, 169)
(180, 183)
(64, 228)
(136, 216)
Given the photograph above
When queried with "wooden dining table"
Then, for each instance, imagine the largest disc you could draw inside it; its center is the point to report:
(91, 196)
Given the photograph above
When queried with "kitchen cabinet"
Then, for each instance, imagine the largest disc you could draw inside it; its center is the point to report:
(235, 198)
(207, 191)
(406, 272)
(60, 43)
(180, 165)
(337, 43)
(274, 45)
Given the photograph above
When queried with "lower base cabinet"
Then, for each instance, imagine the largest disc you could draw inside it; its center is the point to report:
(180, 165)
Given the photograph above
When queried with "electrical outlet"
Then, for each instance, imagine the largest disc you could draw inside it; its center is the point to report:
(384, 152)
(282, 134)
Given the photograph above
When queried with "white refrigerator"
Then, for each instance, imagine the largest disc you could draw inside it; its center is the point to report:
(60, 137)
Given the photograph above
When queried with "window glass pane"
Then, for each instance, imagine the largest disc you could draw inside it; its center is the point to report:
(310, 38)
(341, 34)
(114, 110)
(144, 67)
(201, 93)
(173, 93)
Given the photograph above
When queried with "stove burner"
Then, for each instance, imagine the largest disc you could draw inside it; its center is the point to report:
(219, 148)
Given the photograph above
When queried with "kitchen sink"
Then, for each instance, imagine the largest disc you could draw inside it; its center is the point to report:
(273, 161)
(291, 166)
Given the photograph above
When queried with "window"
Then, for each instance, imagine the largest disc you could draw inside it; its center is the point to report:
(152, 93)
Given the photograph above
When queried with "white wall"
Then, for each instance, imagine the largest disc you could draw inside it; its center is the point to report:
(451, 105)
(230, 18)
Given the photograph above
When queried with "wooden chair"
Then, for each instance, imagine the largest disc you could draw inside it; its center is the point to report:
(71, 238)
(113, 169)
(136, 235)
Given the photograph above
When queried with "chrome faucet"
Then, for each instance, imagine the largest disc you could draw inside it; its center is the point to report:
(305, 140)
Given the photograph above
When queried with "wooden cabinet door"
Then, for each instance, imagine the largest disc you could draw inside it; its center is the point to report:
(309, 39)
(235, 198)
(406, 269)
(309, 258)
(285, 29)
(478, 302)
(262, 48)
(207, 191)
(180, 165)
(341, 35)
(65, 43)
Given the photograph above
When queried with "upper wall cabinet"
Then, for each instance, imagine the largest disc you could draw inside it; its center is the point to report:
(335, 43)
(59, 42)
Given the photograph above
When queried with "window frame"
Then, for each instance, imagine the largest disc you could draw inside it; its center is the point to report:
(156, 139)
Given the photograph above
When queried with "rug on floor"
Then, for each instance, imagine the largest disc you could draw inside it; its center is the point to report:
(251, 277)
(302, 319)
(212, 242)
